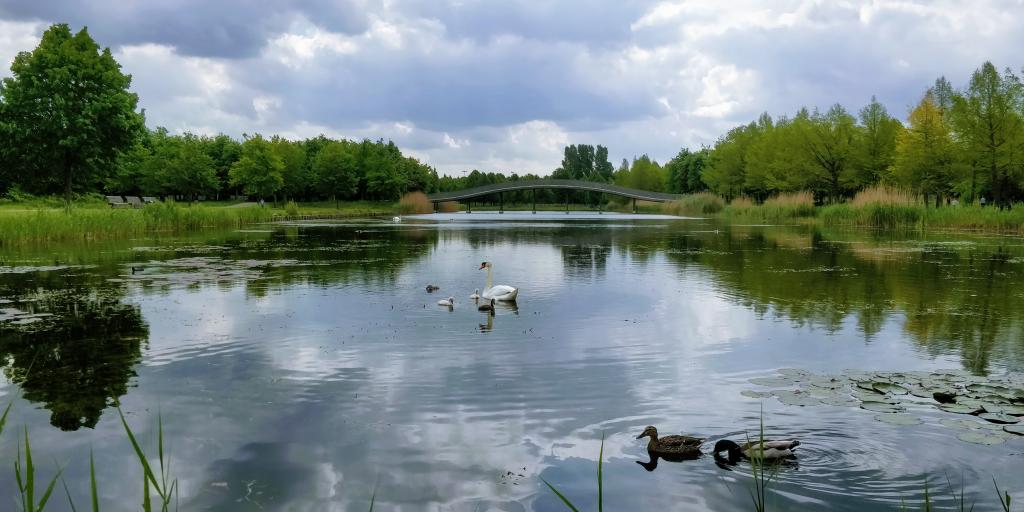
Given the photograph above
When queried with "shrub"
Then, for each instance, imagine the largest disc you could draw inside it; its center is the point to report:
(291, 209)
(884, 194)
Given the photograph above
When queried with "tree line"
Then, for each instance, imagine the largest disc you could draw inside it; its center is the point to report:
(69, 123)
(966, 144)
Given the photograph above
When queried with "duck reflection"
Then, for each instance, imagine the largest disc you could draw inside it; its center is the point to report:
(652, 464)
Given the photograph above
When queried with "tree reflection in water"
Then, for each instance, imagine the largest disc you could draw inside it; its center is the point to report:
(78, 359)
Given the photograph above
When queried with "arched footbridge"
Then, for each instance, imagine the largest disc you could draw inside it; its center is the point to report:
(512, 186)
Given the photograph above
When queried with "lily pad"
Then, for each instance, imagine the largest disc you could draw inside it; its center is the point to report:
(772, 382)
(960, 424)
(793, 372)
(887, 387)
(898, 419)
(959, 408)
(1016, 410)
(755, 394)
(998, 418)
(867, 386)
(840, 401)
(881, 407)
(797, 398)
(1014, 429)
(980, 438)
(921, 392)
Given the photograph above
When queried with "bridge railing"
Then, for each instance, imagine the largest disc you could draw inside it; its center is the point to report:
(511, 186)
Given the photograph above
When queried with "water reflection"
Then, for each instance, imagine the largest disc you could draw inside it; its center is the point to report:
(301, 363)
(78, 359)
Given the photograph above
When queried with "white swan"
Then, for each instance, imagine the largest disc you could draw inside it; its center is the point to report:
(476, 294)
(449, 302)
(396, 219)
(501, 292)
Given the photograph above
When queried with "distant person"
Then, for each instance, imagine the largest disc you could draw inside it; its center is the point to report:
(261, 202)
(982, 201)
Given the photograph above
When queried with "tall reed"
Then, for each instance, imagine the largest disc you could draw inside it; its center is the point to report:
(415, 202)
(701, 203)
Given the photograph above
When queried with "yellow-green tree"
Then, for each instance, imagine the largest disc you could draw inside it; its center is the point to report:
(924, 151)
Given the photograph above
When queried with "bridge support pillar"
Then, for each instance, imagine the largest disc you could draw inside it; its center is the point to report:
(469, 206)
(435, 206)
(501, 202)
(567, 203)
(534, 201)
(634, 205)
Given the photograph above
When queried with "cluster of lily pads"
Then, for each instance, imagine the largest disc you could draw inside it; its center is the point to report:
(197, 270)
(997, 401)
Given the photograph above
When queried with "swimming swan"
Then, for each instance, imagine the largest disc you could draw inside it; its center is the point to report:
(500, 292)
(476, 294)
(449, 302)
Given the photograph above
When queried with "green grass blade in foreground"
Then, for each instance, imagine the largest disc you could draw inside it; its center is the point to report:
(71, 502)
(959, 500)
(3, 419)
(560, 496)
(92, 484)
(1004, 497)
(148, 475)
(600, 479)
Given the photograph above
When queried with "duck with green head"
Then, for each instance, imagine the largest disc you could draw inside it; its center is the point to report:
(671, 446)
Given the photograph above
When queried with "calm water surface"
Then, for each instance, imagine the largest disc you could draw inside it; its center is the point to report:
(298, 366)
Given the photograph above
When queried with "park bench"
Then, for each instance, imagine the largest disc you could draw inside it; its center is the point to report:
(134, 201)
(117, 202)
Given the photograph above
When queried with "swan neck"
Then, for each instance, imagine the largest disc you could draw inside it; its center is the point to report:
(490, 278)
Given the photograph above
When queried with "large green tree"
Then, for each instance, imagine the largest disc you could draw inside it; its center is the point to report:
(259, 171)
(988, 118)
(66, 112)
(336, 168)
(874, 146)
(829, 140)
(923, 158)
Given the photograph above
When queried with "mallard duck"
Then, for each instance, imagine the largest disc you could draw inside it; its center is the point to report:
(431, 288)
(486, 306)
(769, 450)
(670, 446)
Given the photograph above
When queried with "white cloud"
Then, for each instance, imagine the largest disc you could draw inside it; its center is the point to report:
(502, 88)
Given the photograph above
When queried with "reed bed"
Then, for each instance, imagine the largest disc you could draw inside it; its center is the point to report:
(788, 205)
(19, 228)
(742, 203)
(415, 202)
(884, 194)
(701, 203)
(449, 207)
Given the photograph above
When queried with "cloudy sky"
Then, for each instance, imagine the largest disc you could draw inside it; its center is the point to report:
(503, 85)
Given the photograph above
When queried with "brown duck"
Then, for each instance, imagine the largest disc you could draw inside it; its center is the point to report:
(671, 446)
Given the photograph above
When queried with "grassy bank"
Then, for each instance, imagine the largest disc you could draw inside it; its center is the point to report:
(878, 207)
(33, 223)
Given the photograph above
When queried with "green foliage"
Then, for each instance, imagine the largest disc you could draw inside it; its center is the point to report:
(965, 144)
(259, 172)
(600, 484)
(295, 172)
(643, 174)
(924, 151)
(66, 113)
(684, 171)
(337, 171)
(291, 209)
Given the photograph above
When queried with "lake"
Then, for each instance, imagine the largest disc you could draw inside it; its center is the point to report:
(305, 367)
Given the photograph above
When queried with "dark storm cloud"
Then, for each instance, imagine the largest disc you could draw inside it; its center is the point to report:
(207, 28)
